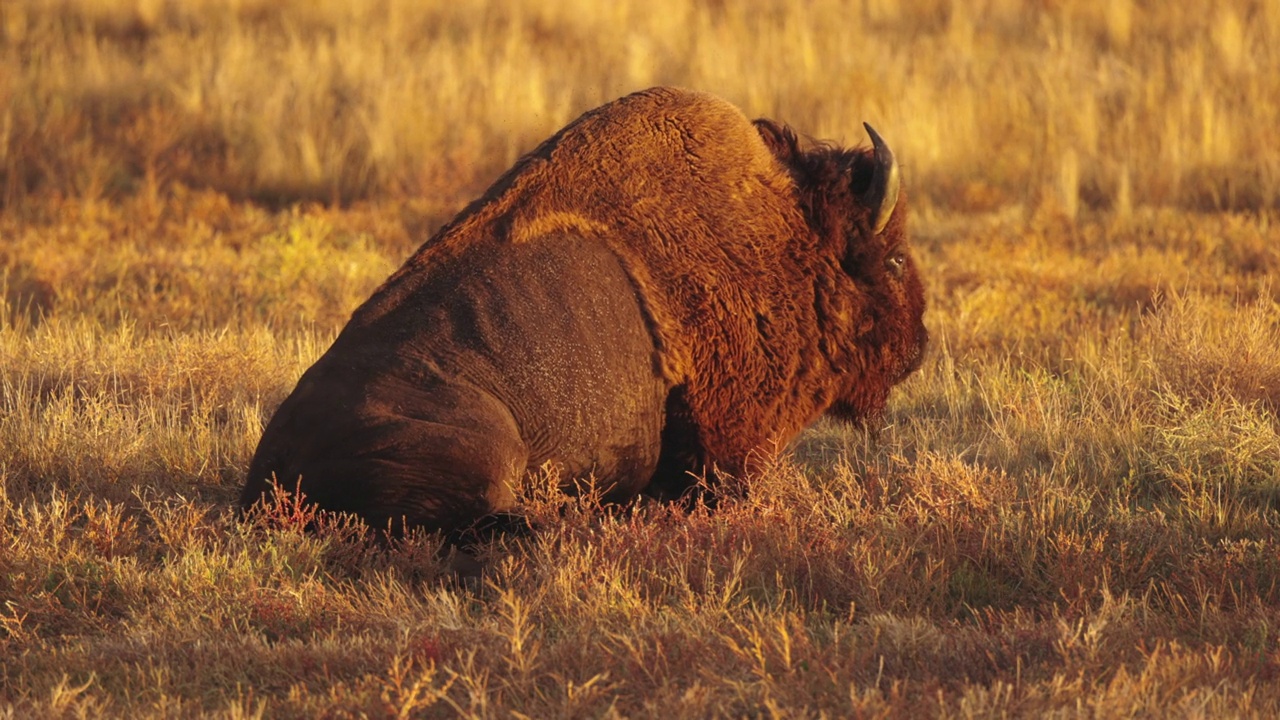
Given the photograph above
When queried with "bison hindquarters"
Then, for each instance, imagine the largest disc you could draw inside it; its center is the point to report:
(449, 385)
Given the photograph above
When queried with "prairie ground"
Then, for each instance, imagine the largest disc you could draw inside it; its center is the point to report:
(1073, 509)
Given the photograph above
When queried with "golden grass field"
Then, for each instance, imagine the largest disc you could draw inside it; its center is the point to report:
(1072, 510)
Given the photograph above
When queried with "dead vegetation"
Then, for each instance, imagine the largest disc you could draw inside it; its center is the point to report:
(1073, 509)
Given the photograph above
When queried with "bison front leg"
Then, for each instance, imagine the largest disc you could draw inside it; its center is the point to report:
(681, 475)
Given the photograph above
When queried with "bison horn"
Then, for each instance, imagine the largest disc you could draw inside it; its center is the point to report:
(883, 193)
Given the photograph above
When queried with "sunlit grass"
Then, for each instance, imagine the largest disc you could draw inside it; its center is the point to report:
(1063, 106)
(1071, 509)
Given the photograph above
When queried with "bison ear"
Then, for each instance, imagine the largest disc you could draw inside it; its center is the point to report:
(778, 137)
(885, 181)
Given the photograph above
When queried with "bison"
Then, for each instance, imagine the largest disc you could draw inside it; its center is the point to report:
(662, 291)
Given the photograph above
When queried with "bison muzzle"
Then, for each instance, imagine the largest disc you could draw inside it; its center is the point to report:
(662, 291)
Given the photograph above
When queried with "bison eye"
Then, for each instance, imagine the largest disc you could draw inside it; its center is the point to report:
(896, 263)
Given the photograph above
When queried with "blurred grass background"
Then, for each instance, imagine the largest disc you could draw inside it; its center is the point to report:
(989, 103)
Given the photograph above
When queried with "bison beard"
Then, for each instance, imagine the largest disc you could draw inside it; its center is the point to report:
(662, 289)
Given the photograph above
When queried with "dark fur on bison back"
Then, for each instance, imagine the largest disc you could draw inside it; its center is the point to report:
(660, 288)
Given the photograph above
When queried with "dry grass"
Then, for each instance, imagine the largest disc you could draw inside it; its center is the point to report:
(1073, 509)
(1066, 104)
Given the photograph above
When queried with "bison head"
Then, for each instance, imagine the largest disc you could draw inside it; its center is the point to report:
(872, 308)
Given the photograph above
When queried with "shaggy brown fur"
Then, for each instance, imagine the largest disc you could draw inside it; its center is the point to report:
(661, 288)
